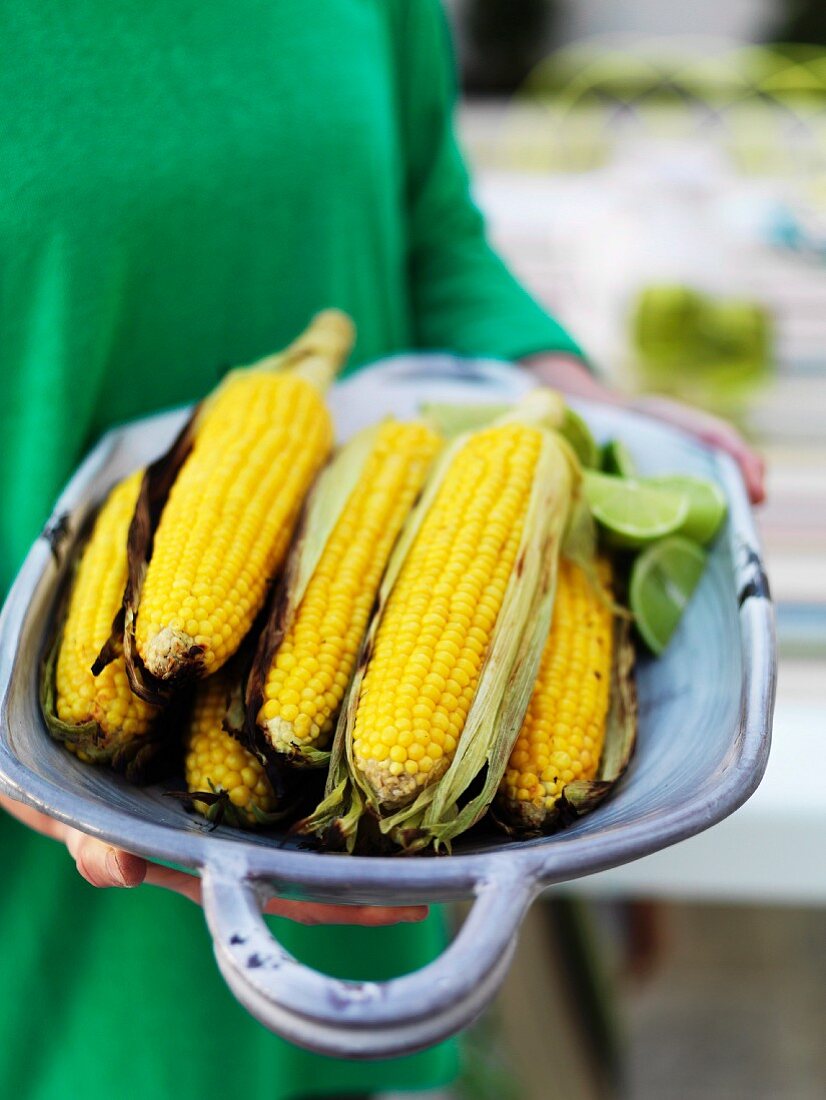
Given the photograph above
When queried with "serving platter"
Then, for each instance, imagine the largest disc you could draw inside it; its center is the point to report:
(704, 732)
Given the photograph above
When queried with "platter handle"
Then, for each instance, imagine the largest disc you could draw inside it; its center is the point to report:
(363, 1020)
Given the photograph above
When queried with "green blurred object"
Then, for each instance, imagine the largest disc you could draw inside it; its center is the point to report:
(712, 351)
(578, 434)
(451, 420)
(707, 506)
(663, 578)
(615, 459)
(632, 512)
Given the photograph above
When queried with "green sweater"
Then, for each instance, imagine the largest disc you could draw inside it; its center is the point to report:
(183, 184)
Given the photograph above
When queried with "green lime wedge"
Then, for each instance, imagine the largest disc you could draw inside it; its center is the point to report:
(634, 512)
(452, 419)
(662, 580)
(706, 504)
(615, 458)
(578, 434)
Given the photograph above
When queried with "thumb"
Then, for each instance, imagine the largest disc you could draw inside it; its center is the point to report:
(101, 864)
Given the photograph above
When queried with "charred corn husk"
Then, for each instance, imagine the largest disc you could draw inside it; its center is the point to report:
(232, 782)
(258, 442)
(353, 521)
(98, 717)
(451, 654)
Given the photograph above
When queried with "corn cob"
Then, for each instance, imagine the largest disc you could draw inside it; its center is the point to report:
(452, 420)
(233, 781)
(440, 617)
(258, 443)
(309, 672)
(581, 725)
(564, 729)
(450, 657)
(98, 717)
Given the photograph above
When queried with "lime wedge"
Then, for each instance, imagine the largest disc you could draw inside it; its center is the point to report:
(578, 434)
(615, 458)
(452, 419)
(635, 512)
(706, 504)
(662, 580)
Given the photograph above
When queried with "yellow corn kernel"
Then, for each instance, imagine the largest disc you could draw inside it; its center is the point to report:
(214, 761)
(309, 675)
(96, 597)
(229, 519)
(441, 614)
(84, 757)
(562, 736)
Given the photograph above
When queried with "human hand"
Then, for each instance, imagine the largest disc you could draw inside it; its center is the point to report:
(572, 377)
(714, 431)
(103, 865)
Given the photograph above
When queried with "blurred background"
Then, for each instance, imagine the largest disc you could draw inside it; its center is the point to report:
(655, 171)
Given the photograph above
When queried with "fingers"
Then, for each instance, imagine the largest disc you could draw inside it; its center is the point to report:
(189, 886)
(372, 916)
(34, 819)
(754, 471)
(752, 466)
(572, 377)
(720, 435)
(716, 433)
(101, 864)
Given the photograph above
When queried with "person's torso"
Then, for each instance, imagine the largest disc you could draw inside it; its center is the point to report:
(183, 185)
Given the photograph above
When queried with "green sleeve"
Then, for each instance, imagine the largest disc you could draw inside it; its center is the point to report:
(464, 298)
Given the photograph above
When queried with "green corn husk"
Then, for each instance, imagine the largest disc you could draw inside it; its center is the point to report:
(445, 808)
(452, 420)
(138, 758)
(275, 740)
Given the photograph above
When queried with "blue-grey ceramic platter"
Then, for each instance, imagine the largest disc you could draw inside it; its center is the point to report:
(705, 722)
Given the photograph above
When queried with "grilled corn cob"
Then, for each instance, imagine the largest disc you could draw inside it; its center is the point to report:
(259, 442)
(439, 621)
(309, 671)
(450, 657)
(98, 717)
(564, 729)
(580, 729)
(233, 782)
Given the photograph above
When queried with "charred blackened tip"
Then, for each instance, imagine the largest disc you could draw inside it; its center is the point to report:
(365, 656)
(55, 533)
